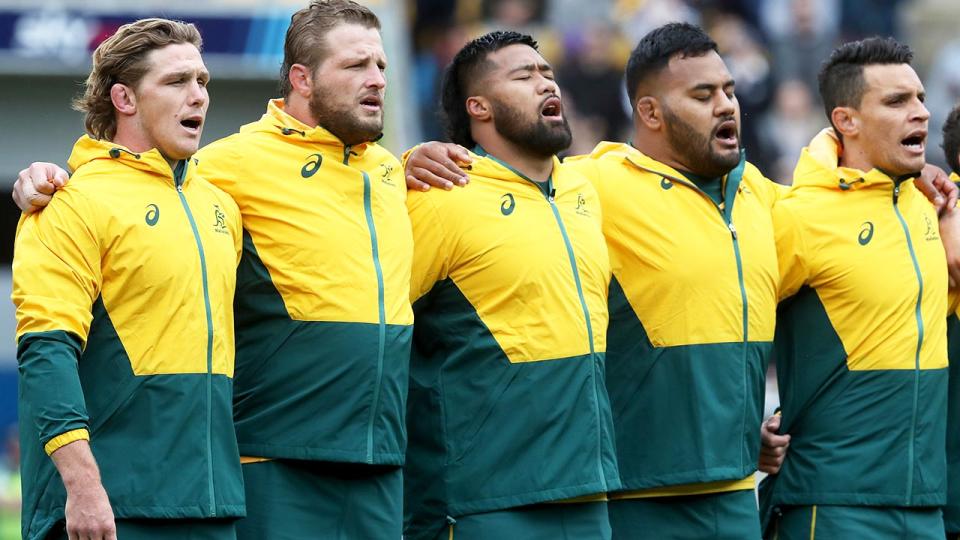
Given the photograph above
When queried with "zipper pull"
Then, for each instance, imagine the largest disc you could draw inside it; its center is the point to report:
(179, 188)
(896, 193)
(733, 230)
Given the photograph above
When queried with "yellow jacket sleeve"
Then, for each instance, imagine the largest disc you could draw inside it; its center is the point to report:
(791, 251)
(431, 247)
(56, 278)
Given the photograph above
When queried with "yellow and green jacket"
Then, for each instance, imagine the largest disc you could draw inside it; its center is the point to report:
(861, 338)
(322, 306)
(692, 306)
(506, 389)
(951, 512)
(123, 289)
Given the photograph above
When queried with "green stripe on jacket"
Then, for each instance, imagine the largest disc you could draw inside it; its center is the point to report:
(304, 389)
(682, 414)
(163, 417)
(487, 434)
(850, 429)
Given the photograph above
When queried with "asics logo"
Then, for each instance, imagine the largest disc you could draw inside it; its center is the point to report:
(312, 166)
(153, 215)
(507, 204)
(866, 233)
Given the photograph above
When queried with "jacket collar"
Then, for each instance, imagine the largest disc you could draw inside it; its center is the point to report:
(277, 121)
(819, 166)
(489, 166)
(88, 149)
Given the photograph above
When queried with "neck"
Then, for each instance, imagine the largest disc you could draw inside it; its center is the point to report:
(136, 141)
(534, 167)
(299, 107)
(854, 156)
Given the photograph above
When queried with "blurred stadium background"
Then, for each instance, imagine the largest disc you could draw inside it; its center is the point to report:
(773, 48)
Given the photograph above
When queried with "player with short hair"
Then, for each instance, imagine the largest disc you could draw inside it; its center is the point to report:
(124, 292)
(323, 316)
(686, 457)
(861, 333)
(507, 403)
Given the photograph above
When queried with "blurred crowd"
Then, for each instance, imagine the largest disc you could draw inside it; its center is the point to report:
(772, 47)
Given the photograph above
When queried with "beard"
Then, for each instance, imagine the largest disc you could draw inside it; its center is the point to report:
(696, 149)
(537, 138)
(344, 122)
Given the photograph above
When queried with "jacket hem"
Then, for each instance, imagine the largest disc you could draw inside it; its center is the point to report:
(716, 474)
(312, 453)
(859, 499)
(524, 499)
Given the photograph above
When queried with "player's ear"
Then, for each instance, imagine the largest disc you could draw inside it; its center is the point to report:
(649, 113)
(846, 120)
(478, 107)
(123, 98)
(301, 80)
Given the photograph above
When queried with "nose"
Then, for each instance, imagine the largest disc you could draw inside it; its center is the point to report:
(198, 94)
(922, 113)
(548, 86)
(376, 78)
(726, 105)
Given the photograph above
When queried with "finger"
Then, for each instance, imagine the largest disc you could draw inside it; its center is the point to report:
(60, 178)
(429, 177)
(459, 154)
(415, 185)
(774, 422)
(38, 201)
(445, 168)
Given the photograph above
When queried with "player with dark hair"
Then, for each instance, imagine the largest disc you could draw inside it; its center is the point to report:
(686, 457)
(861, 333)
(123, 289)
(686, 156)
(507, 403)
(951, 511)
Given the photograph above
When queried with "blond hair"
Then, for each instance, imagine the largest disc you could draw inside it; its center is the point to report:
(304, 43)
(122, 58)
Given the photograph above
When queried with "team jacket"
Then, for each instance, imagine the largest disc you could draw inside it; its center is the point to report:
(322, 306)
(861, 338)
(692, 307)
(124, 288)
(507, 396)
(951, 512)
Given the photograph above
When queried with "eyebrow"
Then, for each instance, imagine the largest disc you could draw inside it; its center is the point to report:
(710, 86)
(531, 67)
(186, 73)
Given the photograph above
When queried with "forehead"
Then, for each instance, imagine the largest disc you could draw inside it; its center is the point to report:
(881, 79)
(514, 56)
(175, 57)
(352, 41)
(683, 72)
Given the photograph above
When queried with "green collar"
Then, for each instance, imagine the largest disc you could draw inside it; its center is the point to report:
(545, 187)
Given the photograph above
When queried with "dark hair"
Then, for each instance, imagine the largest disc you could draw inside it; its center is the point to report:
(951, 139)
(305, 42)
(466, 69)
(655, 49)
(841, 76)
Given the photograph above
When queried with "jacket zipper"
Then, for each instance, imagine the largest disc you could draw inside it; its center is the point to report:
(178, 181)
(743, 290)
(916, 367)
(586, 317)
(382, 330)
